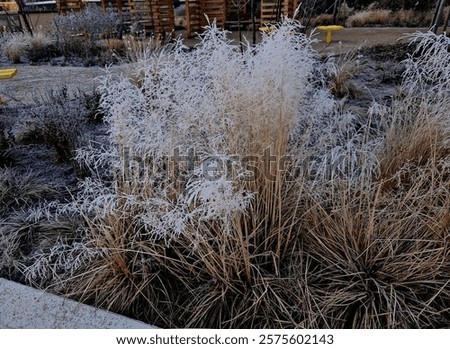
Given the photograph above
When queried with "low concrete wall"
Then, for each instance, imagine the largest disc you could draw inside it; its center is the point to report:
(25, 307)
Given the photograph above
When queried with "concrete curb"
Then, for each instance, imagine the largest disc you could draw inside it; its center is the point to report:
(25, 307)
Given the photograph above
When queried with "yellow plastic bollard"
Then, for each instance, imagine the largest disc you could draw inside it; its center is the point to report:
(330, 29)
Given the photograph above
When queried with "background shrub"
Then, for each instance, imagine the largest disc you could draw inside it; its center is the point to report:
(77, 34)
(41, 47)
(14, 46)
(420, 5)
(57, 121)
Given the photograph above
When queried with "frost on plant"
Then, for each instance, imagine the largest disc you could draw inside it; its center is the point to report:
(92, 21)
(206, 139)
(181, 118)
(216, 101)
(13, 46)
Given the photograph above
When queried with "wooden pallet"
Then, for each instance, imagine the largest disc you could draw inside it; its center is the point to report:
(271, 8)
(164, 18)
(155, 16)
(120, 5)
(196, 11)
(194, 20)
(66, 6)
(9, 6)
(216, 10)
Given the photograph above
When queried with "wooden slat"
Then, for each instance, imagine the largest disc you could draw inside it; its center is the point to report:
(156, 16)
(65, 6)
(269, 10)
(196, 9)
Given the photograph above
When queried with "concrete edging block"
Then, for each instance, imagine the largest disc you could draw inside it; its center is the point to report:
(25, 307)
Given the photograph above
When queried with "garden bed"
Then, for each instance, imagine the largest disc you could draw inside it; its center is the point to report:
(349, 230)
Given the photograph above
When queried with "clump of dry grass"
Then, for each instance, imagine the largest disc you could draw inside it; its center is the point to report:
(419, 129)
(411, 18)
(39, 46)
(20, 189)
(369, 17)
(27, 233)
(39, 40)
(57, 121)
(212, 247)
(139, 49)
(341, 70)
(350, 230)
(378, 259)
(404, 17)
(116, 45)
(4, 145)
(14, 46)
(377, 249)
(344, 12)
(78, 34)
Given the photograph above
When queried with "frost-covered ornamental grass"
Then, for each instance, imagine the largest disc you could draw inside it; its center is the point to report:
(13, 46)
(234, 191)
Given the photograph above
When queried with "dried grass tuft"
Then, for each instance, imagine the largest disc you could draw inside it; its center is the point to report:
(369, 17)
(351, 232)
(341, 70)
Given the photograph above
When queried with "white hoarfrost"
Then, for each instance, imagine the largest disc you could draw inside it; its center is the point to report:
(178, 112)
(184, 126)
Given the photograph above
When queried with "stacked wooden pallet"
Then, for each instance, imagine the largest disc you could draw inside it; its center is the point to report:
(65, 6)
(142, 15)
(216, 10)
(164, 18)
(273, 10)
(226, 12)
(155, 16)
(194, 16)
(9, 6)
(197, 9)
(120, 5)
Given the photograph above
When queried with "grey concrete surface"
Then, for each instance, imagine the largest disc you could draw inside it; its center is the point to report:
(23, 307)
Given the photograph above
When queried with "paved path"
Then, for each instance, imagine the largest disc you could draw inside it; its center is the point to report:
(344, 40)
(31, 82)
(23, 307)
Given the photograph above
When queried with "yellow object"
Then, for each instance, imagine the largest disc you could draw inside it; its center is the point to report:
(7, 73)
(330, 29)
(267, 29)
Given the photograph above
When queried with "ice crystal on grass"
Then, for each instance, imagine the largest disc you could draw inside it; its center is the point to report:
(215, 100)
(63, 259)
(202, 142)
(234, 191)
